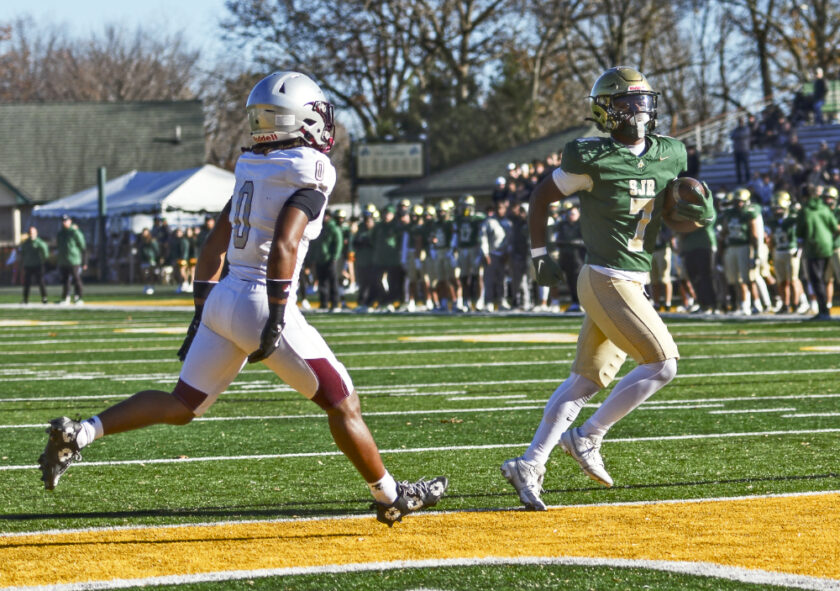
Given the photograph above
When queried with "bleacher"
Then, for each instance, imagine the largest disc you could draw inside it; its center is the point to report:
(719, 170)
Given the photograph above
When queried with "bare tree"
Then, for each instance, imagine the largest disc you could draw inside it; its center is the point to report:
(43, 64)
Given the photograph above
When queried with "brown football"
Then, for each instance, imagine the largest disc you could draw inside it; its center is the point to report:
(681, 189)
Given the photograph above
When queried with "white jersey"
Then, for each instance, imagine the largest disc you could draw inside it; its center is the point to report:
(264, 182)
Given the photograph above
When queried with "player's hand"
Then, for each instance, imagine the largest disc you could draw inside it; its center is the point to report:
(547, 270)
(271, 332)
(702, 214)
(201, 289)
(193, 328)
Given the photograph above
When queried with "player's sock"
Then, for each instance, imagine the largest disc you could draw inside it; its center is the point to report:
(384, 490)
(91, 431)
(633, 389)
(763, 293)
(560, 411)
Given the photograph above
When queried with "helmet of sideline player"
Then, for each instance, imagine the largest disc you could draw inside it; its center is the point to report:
(623, 101)
(741, 196)
(467, 204)
(286, 106)
(780, 203)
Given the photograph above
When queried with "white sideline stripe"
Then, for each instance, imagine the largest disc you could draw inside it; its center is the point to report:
(504, 397)
(399, 391)
(113, 528)
(556, 380)
(336, 345)
(450, 448)
(749, 411)
(703, 569)
(811, 414)
(173, 359)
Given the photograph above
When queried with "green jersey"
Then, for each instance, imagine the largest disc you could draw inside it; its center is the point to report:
(783, 231)
(469, 230)
(736, 224)
(621, 211)
(441, 233)
(699, 238)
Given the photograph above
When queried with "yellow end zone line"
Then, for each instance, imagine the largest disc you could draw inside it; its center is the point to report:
(794, 534)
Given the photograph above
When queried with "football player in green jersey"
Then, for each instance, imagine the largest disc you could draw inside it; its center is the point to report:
(740, 236)
(620, 181)
(786, 252)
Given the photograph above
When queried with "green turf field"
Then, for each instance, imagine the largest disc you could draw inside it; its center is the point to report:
(752, 413)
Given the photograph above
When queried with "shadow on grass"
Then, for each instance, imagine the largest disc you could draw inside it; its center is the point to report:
(292, 510)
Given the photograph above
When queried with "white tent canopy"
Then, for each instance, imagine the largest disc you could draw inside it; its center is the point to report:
(204, 189)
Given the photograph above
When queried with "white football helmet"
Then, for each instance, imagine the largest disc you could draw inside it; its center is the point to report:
(285, 106)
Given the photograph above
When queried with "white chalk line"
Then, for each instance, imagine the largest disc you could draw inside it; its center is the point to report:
(443, 449)
(702, 569)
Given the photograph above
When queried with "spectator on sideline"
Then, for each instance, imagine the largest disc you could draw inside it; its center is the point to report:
(818, 97)
(148, 254)
(816, 228)
(326, 252)
(741, 141)
(71, 261)
(495, 248)
(33, 254)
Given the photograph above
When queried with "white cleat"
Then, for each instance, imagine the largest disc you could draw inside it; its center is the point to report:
(587, 452)
(527, 479)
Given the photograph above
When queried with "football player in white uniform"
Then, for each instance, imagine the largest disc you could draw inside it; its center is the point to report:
(282, 185)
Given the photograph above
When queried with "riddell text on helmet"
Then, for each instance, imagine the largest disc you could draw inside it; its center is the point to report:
(266, 137)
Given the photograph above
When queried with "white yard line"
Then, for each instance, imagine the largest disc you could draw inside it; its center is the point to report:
(386, 353)
(712, 570)
(749, 411)
(431, 449)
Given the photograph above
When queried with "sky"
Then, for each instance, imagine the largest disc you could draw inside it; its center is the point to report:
(196, 18)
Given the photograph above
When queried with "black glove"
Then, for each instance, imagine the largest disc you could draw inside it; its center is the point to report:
(201, 289)
(278, 293)
(548, 271)
(702, 214)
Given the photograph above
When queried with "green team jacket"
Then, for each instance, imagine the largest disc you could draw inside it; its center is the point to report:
(33, 252)
(816, 227)
(71, 246)
(621, 213)
(329, 245)
(386, 242)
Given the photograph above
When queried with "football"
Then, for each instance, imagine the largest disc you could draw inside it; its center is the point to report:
(681, 188)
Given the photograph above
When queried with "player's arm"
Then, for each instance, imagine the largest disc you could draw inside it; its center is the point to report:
(544, 194)
(552, 188)
(208, 270)
(212, 257)
(301, 208)
(682, 226)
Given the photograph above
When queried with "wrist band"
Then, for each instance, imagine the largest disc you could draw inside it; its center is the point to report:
(278, 288)
(201, 289)
(538, 252)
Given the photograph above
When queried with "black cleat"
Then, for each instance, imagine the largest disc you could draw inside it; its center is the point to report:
(61, 451)
(411, 497)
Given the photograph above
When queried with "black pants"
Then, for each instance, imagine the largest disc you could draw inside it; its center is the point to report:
(396, 283)
(700, 265)
(30, 275)
(816, 275)
(742, 166)
(327, 284)
(571, 262)
(71, 273)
